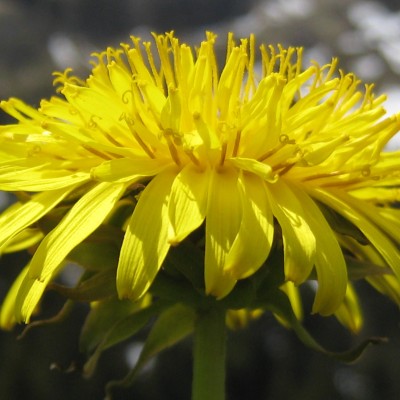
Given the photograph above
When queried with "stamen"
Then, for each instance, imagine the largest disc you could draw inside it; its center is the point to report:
(365, 173)
(237, 142)
(223, 154)
(283, 141)
(111, 139)
(267, 154)
(96, 152)
(282, 169)
(172, 149)
(193, 158)
(150, 59)
(130, 122)
(321, 176)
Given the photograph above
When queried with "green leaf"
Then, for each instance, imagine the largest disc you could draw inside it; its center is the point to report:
(98, 286)
(107, 334)
(173, 325)
(101, 318)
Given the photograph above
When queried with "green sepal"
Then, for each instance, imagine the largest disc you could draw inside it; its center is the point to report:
(188, 260)
(278, 303)
(269, 277)
(342, 225)
(52, 219)
(169, 288)
(111, 325)
(100, 250)
(172, 326)
(121, 213)
(98, 286)
(361, 269)
(104, 318)
(181, 279)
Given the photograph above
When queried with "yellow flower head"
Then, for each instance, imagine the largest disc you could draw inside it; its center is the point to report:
(243, 150)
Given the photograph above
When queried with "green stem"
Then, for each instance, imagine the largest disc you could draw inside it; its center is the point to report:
(209, 356)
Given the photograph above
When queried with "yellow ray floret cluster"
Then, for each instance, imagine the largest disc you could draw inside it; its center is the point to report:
(258, 144)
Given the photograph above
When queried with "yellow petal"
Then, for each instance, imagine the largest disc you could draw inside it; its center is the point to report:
(353, 210)
(298, 237)
(349, 313)
(386, 284)
(29, 294)
(127, 170)
(19, 216)
(222, 225)
(7, 311)
(293, 295)
(145, 243)
(19, 110)
(25, 175)
(86, 215)
(389, 285)
(23, 240)
(254, 239)
(106, 108)
(263, 170)
(83, 218)
(263, 114)
(230, 82)
(120, 78)
(329, 261)
(188, 202)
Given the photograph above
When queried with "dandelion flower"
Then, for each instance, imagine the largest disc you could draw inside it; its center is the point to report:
(242, 151)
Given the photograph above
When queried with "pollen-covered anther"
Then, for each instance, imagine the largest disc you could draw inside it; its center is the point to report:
(130, 122)
(366, 171)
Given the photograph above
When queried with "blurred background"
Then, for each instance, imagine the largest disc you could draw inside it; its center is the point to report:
(266, 361)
